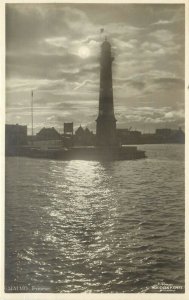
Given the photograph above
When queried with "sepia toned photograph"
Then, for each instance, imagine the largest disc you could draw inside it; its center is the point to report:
(95, 148)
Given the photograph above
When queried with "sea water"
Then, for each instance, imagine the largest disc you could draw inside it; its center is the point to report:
(88, 226)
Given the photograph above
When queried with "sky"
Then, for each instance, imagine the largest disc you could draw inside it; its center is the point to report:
(54, 50)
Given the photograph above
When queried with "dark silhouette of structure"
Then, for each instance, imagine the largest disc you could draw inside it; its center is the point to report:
(67, 136)
(47, 138)
(107, 145)
(166, 135)
(129, 137)
(106, 121)
(68, 129)
(15, 136)
(48, 134)
(84, 137)
(161, 136)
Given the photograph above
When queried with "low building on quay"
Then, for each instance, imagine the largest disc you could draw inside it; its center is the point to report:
(15, 135)
(46, 138)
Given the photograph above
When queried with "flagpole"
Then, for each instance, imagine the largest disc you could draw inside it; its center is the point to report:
(32, 113)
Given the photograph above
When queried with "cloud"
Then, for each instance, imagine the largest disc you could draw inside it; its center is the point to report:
(136, 84)
(42, 46)
(162, 22)
(150, 117)
(170, 82)
(164, 36)
(79, 85)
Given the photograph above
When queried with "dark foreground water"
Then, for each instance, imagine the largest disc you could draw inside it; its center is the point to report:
(83, 226)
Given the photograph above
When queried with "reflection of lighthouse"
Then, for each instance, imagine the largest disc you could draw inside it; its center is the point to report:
(106, 122)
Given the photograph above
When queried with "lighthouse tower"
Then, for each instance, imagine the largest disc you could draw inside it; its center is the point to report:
(106, 122)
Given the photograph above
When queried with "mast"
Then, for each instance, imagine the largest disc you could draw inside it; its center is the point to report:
(32, 113)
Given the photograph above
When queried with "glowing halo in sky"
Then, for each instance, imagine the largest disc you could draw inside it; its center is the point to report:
(84, 52)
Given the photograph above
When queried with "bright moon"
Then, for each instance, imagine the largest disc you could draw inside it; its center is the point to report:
(84, 52)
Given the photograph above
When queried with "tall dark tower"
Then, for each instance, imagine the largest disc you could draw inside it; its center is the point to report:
(106, 122)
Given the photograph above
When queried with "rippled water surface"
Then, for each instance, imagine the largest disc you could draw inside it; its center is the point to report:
(83, 226)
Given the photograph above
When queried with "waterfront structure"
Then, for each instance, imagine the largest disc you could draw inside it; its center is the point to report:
(161, 136)
(167, 135)
(84, 137)
(106, 121)
(68, 129)
(15, 135)
(47, 138)
(129, 137)
(107, 145)
(48, 134)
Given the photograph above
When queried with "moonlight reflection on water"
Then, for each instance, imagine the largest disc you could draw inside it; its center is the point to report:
(83, 226)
